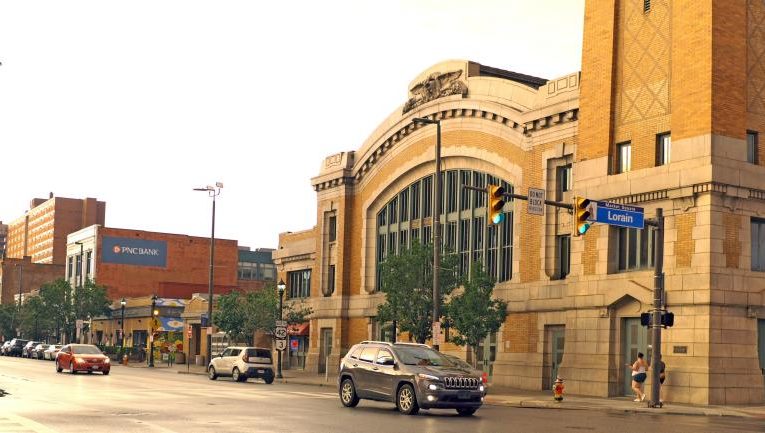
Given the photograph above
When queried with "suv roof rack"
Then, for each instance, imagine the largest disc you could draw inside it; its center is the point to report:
(412, 344)
(388, 343)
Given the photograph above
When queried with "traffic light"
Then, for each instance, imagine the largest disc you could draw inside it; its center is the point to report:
(496, 203)
(581, 215)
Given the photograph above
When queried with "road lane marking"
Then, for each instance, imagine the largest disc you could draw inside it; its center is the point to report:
(26, 423)
(314, 394)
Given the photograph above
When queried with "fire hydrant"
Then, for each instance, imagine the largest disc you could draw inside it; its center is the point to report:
(124, 359)
(558, 389)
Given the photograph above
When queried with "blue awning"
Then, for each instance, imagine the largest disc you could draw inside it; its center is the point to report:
(174, 324)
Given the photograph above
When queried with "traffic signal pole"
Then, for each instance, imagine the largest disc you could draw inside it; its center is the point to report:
(658, 306)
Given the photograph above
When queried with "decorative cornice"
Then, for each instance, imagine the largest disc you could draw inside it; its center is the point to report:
(692, 190)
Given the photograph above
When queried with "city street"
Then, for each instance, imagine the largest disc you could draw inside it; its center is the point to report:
(144, 400)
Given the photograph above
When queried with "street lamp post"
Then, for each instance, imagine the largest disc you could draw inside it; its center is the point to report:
(123, 302)
(21, 281)
(152, 314)
(436, 224)
(212, 191)
(280, 287)
(82, 253)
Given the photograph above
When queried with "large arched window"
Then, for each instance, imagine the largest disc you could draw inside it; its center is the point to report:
(408, 217)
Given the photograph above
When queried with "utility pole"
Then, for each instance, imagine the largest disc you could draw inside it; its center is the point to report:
(436, 229)
(658, 306)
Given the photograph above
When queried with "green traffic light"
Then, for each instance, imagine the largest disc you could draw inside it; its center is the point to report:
(583, 228)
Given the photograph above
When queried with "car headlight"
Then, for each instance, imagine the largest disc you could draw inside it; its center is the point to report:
(433, 387)
(427, 376)
(481, 388)
(79, 360)
(107, 360)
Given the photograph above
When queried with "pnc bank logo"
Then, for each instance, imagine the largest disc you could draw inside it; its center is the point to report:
(135, 251)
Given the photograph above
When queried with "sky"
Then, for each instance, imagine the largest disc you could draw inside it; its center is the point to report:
(136, 103)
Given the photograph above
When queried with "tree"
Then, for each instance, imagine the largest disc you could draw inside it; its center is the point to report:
(474, 313)
(34, 318)
(231, 315)
(407, 281)
(241, 314)
(56, 298)
(7, 315)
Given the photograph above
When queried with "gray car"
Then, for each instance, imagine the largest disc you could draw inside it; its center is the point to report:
(413, 376)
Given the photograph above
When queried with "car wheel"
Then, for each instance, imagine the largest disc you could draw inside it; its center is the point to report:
(106, 372)
(269, 379)
(406, 400)
(71, 368)
(348, 393)
(237, 375)
(211, 373)
(466, 411)
(58, 368)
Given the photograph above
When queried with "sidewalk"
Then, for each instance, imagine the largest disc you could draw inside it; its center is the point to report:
(524, 398)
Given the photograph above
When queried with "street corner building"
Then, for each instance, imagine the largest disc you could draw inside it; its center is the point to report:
(665, 113)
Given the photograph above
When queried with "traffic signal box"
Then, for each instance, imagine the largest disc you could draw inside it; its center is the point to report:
(496, 203)
(581, 214)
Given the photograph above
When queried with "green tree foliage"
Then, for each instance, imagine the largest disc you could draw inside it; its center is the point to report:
(7, 317)
(407, 281)
(474, 313)
(34, 318)
(241, 314)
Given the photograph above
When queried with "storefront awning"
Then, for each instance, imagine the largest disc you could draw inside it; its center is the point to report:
(174, 324)
(301, 329)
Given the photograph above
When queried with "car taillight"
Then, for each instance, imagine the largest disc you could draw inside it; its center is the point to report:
(485, 378)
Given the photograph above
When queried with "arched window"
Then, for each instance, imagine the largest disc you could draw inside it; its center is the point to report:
(407, 218)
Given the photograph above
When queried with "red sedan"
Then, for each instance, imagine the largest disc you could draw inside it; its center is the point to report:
(82, 357)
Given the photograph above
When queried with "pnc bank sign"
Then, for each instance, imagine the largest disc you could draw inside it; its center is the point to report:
(129, 251)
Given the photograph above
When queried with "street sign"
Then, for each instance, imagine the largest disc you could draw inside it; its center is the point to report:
(281, 344)
(616, 214)
(281, 332)
(536, 204)
(281, 323)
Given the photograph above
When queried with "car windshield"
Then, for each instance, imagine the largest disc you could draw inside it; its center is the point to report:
(86, 350)
(419, 355)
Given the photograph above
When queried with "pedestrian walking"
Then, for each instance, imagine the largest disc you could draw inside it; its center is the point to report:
(639, 368)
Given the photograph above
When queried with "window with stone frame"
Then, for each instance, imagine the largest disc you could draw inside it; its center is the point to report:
(635, 248)
(758, 244)
(299, 283)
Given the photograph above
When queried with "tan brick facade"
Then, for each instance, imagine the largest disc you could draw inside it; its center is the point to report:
(688, 68)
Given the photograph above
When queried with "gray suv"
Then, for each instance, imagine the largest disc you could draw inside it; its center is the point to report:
(413, 376)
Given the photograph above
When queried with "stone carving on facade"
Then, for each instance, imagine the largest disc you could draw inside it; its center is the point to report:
(437, 85)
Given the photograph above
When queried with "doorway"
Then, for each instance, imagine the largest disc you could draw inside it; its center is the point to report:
(325, 348)
(555, 341)
(486, 354)
(635, 338)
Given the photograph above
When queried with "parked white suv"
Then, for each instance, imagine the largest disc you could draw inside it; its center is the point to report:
(242, 363)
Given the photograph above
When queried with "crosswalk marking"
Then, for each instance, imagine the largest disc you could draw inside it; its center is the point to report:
(17, 424)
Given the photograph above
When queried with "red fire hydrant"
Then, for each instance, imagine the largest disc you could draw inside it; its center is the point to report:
(558, 389)
(124, 359)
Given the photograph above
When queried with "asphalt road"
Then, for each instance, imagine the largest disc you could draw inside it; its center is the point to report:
(147, 401)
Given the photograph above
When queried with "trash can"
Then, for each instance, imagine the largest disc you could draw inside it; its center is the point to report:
(180, 358)
(199, 360)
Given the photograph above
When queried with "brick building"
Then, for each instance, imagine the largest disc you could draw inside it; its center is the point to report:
(25, 275)
(134, 263)
(665, 113)
(41, 233)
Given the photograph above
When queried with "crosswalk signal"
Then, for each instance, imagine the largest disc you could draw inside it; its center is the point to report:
(496, 203)
(581, 215)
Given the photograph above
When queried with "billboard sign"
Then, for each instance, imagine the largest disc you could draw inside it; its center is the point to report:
(138, 252)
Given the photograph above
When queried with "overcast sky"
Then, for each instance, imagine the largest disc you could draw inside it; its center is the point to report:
(137, 102)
